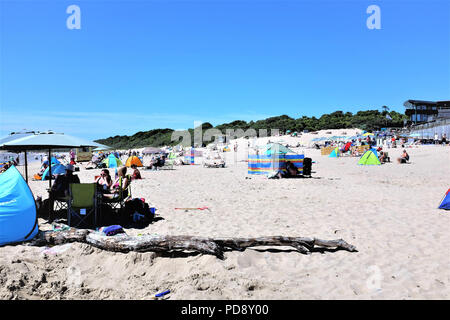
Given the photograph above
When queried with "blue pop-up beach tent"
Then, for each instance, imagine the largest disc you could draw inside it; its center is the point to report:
(57, 168)
(335, 153)
(445, 203)
(18, 216)
(54, 161)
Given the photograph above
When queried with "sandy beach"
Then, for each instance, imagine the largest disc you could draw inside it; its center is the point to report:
(388, 212)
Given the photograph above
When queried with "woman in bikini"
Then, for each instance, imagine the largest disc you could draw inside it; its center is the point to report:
(120, 186)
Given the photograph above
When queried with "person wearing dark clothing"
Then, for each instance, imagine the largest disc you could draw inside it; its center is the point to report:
(60, 188)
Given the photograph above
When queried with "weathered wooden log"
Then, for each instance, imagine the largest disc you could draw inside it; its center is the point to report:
(212, 246)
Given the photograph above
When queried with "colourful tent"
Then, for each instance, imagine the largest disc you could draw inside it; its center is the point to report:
(335, 153)
(369, 158)
(265, 164)
(445, 203)
(112, 161)
(18, 216)
(133, 160)
(57, 168)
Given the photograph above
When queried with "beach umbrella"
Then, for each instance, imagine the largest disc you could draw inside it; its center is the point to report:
(102, 147)
(152, 150)
(367, 134)
(272, 148)
(23, 141)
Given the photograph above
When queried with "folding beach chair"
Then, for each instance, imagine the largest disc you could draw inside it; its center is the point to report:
(124, 194)
(60, 203)
(82, 205)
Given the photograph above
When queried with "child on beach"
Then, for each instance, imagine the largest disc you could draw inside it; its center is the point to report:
(136, 173)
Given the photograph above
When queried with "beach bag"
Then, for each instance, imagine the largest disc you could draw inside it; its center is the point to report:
(137, 208)
(307, 166)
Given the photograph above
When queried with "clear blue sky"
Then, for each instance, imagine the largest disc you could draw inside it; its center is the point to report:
(140, 65)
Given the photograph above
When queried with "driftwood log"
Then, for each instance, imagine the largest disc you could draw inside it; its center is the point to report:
(212, 246)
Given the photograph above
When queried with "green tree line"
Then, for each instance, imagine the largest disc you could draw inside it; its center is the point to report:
(369, 120)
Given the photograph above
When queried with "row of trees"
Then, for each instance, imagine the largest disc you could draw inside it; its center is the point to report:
(367, 120)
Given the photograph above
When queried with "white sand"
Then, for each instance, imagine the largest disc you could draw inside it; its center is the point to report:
(388, 212)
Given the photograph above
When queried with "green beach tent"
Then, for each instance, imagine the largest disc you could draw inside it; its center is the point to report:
(369, 158)
(112, 161)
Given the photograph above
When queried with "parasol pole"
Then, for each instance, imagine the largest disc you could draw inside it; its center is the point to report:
(49, 169)
(50, 207)
(26, 167)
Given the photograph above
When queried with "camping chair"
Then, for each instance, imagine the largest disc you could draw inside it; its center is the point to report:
(60, 203)
(119, 202)
(168, 163)
(82, 205)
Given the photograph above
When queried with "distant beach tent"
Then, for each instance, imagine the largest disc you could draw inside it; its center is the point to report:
(276, 148)
(445, 203)
(274, 158)
(369, 158)
(133, 160)
(335, 153)
(57, 168)
(18, 216)
(112, 162)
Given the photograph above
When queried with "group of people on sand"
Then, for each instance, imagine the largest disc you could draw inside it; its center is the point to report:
(10, 163)
(109, 188)
(113, 189)
(404, 157)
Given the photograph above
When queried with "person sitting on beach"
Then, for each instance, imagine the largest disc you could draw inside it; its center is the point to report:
(104, 181)
(43, 168)
(404, 158)
(136, 173)
(120, 186)
(382, 156)
(291, 171)
(60, 188)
